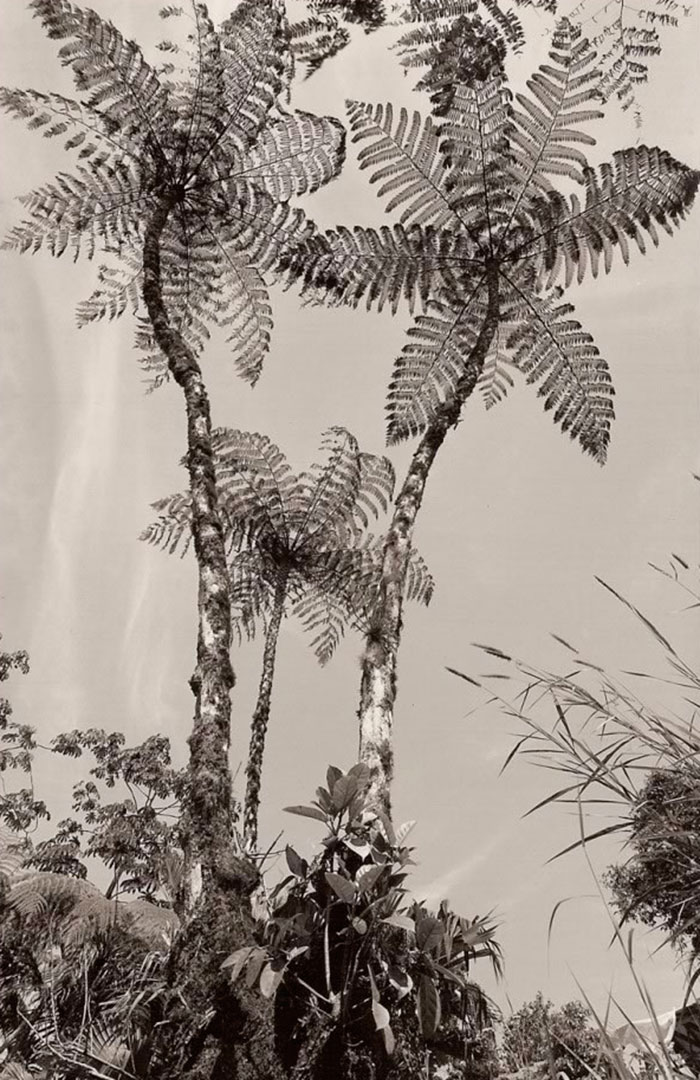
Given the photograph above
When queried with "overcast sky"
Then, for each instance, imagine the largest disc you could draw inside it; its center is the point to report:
(515, 525)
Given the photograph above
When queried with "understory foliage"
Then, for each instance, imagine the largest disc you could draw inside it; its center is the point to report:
(351, 961)
(19, 809)
(479, 221)
(563, 1040)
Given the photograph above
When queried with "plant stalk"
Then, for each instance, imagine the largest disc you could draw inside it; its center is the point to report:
(379, 661)
(261, 718)
(207, 809)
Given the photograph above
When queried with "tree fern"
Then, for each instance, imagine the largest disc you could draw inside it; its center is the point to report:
(298, 545)
(488, 239)
(184, 176)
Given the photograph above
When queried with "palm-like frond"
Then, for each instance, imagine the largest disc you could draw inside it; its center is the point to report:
(307, 529)
(624, 200)
(112, 71)
(477, 205)
(211, 143)
(430, 366)
(553, 350)
(295, 155)
(404, 158)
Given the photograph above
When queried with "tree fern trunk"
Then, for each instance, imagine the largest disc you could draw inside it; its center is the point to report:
(261, 717)
(379, 661)
(207, 808)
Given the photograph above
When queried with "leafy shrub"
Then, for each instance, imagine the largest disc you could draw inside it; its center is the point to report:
(351, 961)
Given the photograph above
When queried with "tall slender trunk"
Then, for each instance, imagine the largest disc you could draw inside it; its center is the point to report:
(379, 661)
(261, 717)
(207, 808)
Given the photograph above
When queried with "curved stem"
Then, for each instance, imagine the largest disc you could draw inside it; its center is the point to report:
(261, 717)
(207, 808)
(378, 683)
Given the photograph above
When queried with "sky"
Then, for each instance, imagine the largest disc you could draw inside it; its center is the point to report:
(516, 524)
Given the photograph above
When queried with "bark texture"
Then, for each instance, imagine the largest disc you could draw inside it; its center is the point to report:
(207, 809)
(379, 660)
(261, 718)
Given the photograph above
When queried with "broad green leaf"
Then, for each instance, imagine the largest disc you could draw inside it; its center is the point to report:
(429, 1011)
(254, 966)
(295, 862)
(428, 933)
(237, 961)
(306, 811)
(361, 773)
(367, 876)
(401, 922)
(400, 980)
(270, 978)
(389, 1040)
(332, 775)
(382, 1016)
(343, 888)
(344, 790)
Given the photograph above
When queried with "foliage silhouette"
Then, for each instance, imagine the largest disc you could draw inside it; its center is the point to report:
(298, 544)
(185, 177)
(482, 242)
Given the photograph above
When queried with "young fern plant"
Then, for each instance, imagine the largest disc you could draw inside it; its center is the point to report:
(486, 245)
(184, 177)
(298, 544)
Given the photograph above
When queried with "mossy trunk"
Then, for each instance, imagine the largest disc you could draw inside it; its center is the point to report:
(261, 718)
(206, 1030)
(379, 660)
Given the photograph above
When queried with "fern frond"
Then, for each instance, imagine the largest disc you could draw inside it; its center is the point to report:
(552, 349)
(75, 212)
(256, 225)
(94, 136)
(317, 39)
(323, 615)
(381, 267)
(624, 200)
(547, 124)
(495, 380)
(296, 155)
(107, 67)
(419, 584)
(253, 579)
(403, 156)
(376, 487)
(119, 289)
(254, 45)
(255, 484)
(243, 310)
(476, 144)
(430, 365)
(328, 491)
(172, 530)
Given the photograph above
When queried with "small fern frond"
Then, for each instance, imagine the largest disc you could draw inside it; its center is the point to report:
(118, 290)
(552, 349)
(327, 492)
(255, 484)
(375, 489)
(92, 135)
(496, 380)
(295, 155)
(252, 577)
(624, 200)
(323, 615)
(317, 39)
(547, 124)
(403, 156)
(419, 584)
(258, 226)
(107, 67)
(172, 531)
(430, 365)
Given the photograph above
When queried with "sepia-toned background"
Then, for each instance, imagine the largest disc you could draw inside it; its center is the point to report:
(515, 526)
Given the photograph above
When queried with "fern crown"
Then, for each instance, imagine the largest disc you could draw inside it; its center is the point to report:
(203, 134)
(474, 192)
(307, 533)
